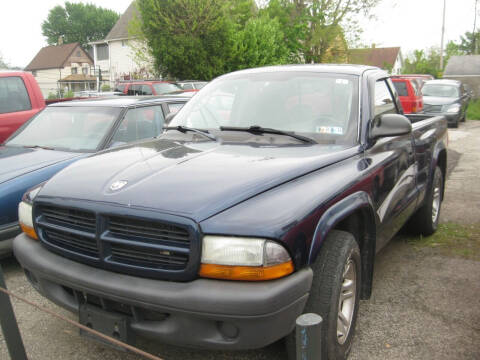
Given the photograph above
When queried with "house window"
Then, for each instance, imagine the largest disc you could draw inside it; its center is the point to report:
(74, 70)
(34, 73)
(85, 71)
(79, 53)
(102, 52)
(124, 43)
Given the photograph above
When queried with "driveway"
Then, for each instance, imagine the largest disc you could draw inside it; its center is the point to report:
(424, 305)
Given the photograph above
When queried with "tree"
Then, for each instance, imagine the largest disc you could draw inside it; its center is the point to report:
(77, 22)
(470, 43)
(259, 43)
(3, 63)
(204, 39)
(317, 29)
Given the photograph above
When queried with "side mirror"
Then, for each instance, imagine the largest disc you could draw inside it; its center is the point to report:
(169, 118)
(390, 125)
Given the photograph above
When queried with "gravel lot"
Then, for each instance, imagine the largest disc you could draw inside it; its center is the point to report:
(424, 305)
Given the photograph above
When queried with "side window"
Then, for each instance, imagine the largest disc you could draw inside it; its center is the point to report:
(119, 88)
(13, 95)
(146, 90)
(139, 123)
(384, 102)
(134, 90)
(187, 86)
(174, 108)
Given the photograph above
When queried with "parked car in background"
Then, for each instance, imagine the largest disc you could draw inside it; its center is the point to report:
(192, 84)
(410, 95)
(145, 87)
(421, 78)
(446, 97)
(68, 131)
(267, 197)
(20, 99)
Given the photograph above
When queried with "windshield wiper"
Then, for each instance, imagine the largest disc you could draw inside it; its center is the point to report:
(38, 147)
(184, 129)
(255, 129)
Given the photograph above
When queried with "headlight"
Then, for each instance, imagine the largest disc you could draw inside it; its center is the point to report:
(25, 217)
(239, 258)
(453, 108)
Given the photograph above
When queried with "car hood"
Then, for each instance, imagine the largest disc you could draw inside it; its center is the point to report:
(17, 161)
(436, 100)
(196, 179)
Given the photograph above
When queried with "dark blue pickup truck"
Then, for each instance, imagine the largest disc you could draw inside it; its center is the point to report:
(268, 196)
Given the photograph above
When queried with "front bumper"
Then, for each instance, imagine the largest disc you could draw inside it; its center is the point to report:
(7, 234)
(203, 313)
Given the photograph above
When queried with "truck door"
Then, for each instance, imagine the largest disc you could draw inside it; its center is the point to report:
(393, 164)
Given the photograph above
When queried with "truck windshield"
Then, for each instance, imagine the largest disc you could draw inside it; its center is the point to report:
(321, 106)
(67, 128)
(440, 90)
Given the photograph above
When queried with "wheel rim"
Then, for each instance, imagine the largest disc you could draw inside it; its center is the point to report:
(346, 302)
(437, 191)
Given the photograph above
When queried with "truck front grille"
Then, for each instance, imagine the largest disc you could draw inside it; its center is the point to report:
(134, 245)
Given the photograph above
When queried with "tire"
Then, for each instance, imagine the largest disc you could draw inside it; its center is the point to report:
(337, 270)
(455, 124)
(425, 220)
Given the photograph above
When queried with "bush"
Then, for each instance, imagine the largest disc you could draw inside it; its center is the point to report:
(473, 111)
(52, 96)
(106, 87)
(69, 94)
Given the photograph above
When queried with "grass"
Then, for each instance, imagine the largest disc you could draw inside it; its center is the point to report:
(473, 110)
(453, 239)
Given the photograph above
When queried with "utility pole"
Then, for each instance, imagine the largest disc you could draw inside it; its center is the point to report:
(474, 38)
(443, 34)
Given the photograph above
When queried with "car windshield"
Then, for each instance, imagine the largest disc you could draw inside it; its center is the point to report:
(321, 106)
(164, 88)
(440, 90)
(72, 128)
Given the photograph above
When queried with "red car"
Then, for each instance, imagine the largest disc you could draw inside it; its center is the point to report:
(142, 87)
(410, 95)
(20, 99)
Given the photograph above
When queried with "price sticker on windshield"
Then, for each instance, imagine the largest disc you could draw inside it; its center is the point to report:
(335, 130)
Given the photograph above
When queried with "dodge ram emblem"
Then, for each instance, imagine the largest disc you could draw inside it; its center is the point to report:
(117, 185)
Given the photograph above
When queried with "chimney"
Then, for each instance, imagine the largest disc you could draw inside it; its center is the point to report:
(60, 40)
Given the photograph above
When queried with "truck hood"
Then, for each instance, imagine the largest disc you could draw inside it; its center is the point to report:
(17, 161)
(435, 100)
(195, 180)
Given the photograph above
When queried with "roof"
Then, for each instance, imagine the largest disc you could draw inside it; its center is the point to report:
(120, 101)
(320, 68)
(374, 56)
(120, 29)
(463, 65)
(78, 77)
(443, 82)
(52, 57)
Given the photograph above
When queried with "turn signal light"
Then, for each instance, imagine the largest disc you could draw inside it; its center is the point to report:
(29, 231)
(246, 273)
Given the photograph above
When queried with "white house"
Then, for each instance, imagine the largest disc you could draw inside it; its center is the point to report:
(65, 66)
(115, 55)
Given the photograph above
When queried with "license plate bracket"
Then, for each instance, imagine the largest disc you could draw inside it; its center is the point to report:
(110, 324)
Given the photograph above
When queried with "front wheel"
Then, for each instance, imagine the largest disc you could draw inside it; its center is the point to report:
(335, 294)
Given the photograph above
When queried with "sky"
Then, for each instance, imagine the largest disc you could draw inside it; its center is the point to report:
(410, 24)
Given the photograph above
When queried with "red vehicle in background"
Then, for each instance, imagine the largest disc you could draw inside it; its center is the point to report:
(146, 87)
(20, 99)
(408, 90)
